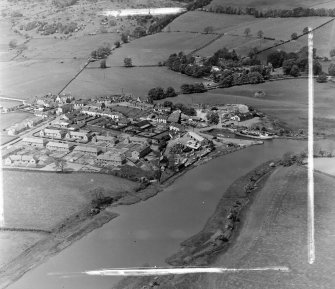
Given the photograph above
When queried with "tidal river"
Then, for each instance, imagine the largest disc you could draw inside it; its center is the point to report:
(146, 233)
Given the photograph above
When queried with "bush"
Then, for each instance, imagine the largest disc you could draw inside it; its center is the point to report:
(12, 44)
(128, 62)
(101, 52)
(332, 52)
(322, 78)
(117, 44)
(103, 63)
(331, 69)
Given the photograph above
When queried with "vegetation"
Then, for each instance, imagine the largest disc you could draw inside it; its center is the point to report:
(322, 78)
(193, 88)
(158, 93)
(160, 23)
(12, 44)
(332, 52)
(63, 3)
(117, 44)
(213, 117)
(101, 52)
(103, 63)
(128, 62)
(262, 13)
(208, 29)
(124, 38)
(294, 36)
(331, 69)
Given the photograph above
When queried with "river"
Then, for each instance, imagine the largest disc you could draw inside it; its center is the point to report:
(148, 232)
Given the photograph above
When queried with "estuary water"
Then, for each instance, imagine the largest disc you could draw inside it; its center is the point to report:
(145, 234)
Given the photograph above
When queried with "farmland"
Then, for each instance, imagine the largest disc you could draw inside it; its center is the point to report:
(151, 49)
(137, 80)
(48, 199)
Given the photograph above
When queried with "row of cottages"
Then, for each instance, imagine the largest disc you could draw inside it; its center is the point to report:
(99, 112)
(81, 136)
(88, 150)
(52, 133)
(35, 142)
(79, 104)
(21, 160)
(59, 146)
(111, 158)
(106, 139)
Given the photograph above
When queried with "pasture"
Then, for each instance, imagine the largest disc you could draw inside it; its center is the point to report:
(274, 233)
(198, 20)
(137, 80)
(42, 200)
(151, 49)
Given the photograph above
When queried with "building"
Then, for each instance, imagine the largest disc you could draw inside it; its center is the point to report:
(174, 116)
(111, 158)
(139, 151)
(52, 133)
(79, 104)
(197, 138)
(21, 160)
(81, 136)
(89, 150)
(107, 139)
(36, 142)
(59, 146)
(64, 108)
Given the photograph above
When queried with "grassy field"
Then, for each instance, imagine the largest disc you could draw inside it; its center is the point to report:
(151, 49)
(14, 243)
(280, 29)
(274, 233)
(137, 80)
(197, 21)
(325, 165)
(286, 4)
(41, 200)
(285, 100)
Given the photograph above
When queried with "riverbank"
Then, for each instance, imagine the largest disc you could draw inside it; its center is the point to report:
(83, 222)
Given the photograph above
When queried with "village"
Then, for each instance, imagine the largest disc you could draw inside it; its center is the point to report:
(123, 135)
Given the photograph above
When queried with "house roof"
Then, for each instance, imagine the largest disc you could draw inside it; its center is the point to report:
(196, 136)
(59, 144)
(34, 140)
(87, 149)
(111, 156)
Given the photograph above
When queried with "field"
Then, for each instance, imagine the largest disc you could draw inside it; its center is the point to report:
(221, 23)
(45, 199)
(234, 26)
(151, 49)
(137, 80)
(325, 165)
(286, 4)
(285, 100)
(274, 233)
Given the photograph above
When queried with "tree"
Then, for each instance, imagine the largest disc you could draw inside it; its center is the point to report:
(60, 164)
(208, 29)
(260, 34)
(117, 44)
(331, 69)
(156, 94)
(170, 92)
(247, 31)
(12, 44)
(332, 52)
(128, 62)
(295, 70)
(213, 117)
(322, 78)
(167, 103)
(287, 65)
(294, 36)
(305, 31)
(103, 63)
(124, 38)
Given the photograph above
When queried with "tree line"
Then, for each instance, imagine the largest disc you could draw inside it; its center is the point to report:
(273, 13)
